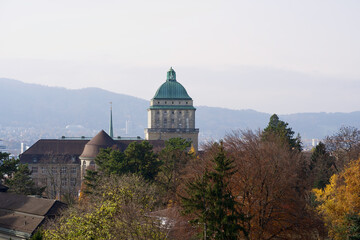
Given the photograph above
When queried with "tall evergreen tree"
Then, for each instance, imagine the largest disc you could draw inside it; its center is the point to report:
(21, 182)
(141, 159)
(280, 129)
(7, 165)
(211, 203)
(90, 181)
(321, 166)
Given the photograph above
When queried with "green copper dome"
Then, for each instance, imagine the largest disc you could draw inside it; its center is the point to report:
(171, 89)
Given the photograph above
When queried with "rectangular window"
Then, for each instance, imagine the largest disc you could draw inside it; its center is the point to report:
(34, 169)
(63, 170)
(63, 182)
(53, 170)
(73, 169)
(43, 181)
(43, 169)
(73, 181)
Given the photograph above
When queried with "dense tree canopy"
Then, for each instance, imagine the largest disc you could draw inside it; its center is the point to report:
(17, 176)
(279, 128)
(344, 146)
(119, 209)
(271, 187)
(141, 159)
(7, 165)
(173, 158)
(210, 202)
(138, 158)
(22, 183)
(321, 166)
(339, 202)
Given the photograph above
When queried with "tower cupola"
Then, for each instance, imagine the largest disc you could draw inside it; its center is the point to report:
(171, 75)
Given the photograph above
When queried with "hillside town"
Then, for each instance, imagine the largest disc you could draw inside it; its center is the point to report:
(249, 185)
(179, 120)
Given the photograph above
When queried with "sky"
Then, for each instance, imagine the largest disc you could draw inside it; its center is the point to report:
(278, 56)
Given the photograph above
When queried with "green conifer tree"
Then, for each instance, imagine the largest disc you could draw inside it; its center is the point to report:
(22, 183)
(321, 166)
(280, 129)
(210, 202)
(7, 165)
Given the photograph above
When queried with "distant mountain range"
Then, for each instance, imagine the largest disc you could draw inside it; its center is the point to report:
(60, 111)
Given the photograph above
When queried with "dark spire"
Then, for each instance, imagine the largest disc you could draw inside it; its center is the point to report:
(111, 124)
(171, 75)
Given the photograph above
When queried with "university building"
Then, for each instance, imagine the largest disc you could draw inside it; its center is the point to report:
(171, 113)
(60, 164)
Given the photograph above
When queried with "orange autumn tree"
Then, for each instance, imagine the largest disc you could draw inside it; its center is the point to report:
(270, 187)
(339, 200)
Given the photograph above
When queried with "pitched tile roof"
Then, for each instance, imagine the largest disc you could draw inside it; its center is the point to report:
(21, 215)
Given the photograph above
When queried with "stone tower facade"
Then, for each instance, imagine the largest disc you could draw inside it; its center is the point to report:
(171, 113)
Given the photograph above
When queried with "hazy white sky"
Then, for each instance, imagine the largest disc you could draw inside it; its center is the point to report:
(275, 56)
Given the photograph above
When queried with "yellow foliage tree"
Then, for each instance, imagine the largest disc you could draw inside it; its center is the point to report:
(120, 208)
(340, 199)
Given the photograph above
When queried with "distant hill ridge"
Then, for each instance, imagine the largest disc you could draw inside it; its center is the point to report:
(37, 106)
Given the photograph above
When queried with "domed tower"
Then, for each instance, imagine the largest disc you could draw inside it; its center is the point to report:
(171, 113)
(92, 149)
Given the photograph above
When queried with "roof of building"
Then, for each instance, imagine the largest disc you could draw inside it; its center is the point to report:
(21, 215)
(65, 151)
(60, 150)
(101, 140)
(44, 146)
(171, 89)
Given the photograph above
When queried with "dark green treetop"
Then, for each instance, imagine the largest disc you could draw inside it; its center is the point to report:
(210, 202)
(280, 129)
(17, 176)
(7, 165)
(138, 158)
(22, 183)
(142, 160)
(321, 166)
(173, 157)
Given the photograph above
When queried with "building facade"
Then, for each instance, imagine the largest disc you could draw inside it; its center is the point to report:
(60, 164)
(171, 113)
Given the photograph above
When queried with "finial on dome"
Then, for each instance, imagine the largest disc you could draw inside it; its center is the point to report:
(171, 75)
